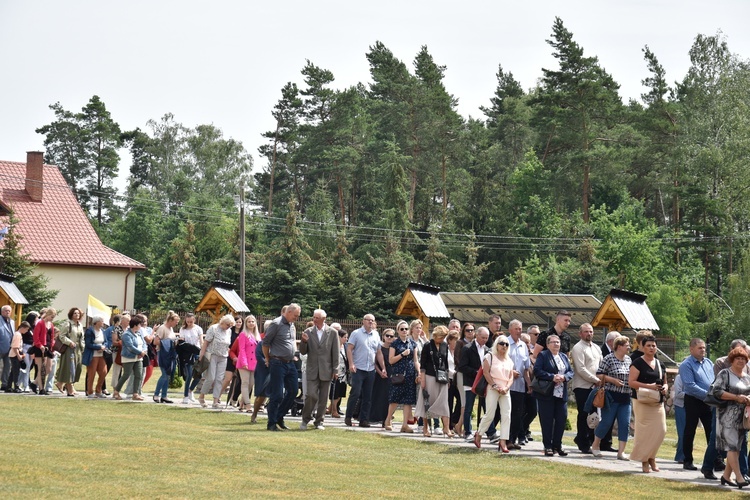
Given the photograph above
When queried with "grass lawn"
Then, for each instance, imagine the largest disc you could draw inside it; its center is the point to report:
(55, 447)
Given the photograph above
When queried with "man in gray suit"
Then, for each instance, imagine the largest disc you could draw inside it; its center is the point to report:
(321, 344)
(7, 327)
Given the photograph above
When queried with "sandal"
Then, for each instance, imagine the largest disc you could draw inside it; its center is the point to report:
(478, 440)
(117, 396)
(407, 430)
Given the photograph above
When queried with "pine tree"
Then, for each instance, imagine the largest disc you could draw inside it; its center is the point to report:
(16, 263)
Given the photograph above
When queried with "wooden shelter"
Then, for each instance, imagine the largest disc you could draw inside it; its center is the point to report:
(221, 299)
(12, 296)
(624, 310)
(423, 302)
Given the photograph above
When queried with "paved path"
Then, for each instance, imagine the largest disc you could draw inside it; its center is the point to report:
(669, 470)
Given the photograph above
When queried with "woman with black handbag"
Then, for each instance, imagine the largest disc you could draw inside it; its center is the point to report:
(434, 382)
(402, 355)
(552, 372)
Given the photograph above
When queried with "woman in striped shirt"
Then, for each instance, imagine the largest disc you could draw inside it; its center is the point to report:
(614, 371)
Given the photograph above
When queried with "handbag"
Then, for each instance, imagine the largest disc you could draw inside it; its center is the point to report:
(441, 374)
(59, 346)
(599, 398)
(746, 418)
(201, 366)
(648, 395)
(479, 387)
(594, 418)
(542, 387)
(398, 378)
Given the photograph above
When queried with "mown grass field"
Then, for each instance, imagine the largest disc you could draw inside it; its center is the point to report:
(65, 447)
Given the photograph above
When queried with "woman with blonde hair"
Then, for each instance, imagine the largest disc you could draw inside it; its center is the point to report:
(165, 338)
(432, 400)
(402, 355)
(243, 355)
(498, 371)
(216, 343)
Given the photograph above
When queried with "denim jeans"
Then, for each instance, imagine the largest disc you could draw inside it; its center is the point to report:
(162, 385)
(283, 388)
(362, 382)
(468, 408)
(619, 411)
(187, 370)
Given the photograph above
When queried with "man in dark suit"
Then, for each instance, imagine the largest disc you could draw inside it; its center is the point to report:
(607, 345)
(7, 328)
(469, 364)
(320, 343)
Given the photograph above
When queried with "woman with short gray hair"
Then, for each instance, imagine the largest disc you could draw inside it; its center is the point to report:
(216, 343)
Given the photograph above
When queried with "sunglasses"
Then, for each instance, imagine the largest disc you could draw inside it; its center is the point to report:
(389, 336)
(469, 330)
(503, 344)
(402, 329)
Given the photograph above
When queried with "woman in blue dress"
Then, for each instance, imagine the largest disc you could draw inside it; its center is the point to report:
(403, 358)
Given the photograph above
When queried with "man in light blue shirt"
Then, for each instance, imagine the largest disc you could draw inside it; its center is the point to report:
(697, 374)
(363, 351)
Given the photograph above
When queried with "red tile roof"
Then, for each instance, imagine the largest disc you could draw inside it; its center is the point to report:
(55, 230)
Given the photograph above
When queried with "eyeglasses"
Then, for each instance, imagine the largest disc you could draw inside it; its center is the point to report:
(503, 344)
(469, 330)
(402, 329)
(388, 336)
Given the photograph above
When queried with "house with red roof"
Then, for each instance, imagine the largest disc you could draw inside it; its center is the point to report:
(59, 238)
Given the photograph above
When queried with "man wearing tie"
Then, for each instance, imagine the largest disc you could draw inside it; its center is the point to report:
(321, 344)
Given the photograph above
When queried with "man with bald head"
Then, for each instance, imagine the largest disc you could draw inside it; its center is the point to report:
(363, 351)
(320, 343)
(586, 357)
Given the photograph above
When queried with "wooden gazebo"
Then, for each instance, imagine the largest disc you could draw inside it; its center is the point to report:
(11, 295)
(221, 299)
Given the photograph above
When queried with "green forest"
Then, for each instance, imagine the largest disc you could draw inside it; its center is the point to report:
(560, 188)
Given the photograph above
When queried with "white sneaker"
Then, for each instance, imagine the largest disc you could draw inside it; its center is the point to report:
(320, 427)
(302, 426)
(419, 429)
(438, 431)
(186, 401)
(191, 398)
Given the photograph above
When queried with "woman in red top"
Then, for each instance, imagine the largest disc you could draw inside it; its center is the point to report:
(44, 338)
(242, 354)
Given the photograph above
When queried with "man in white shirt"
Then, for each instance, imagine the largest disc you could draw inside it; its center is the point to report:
(519, 353)
(586, 358)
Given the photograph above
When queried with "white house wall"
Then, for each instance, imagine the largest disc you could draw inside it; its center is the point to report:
(76, 283)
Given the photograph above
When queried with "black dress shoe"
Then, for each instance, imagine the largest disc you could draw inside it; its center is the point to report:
(561, 452)
(719, 466)
(364, 423)
(348, 421)
(529, 437)
(742, 485)
(746, 478)
(282, 426)
(689, 466)
(587, 452)
(549, 453)
(273, 428)
(165, 400)
(709, 474)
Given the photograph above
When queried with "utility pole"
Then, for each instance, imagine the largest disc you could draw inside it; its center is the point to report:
(242, 240)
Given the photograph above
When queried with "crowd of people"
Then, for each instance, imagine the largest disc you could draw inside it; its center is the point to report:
(437, 380)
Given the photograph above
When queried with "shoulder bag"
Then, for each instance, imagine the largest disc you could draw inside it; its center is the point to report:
(441, 374)
(479, 387)
(649, 395)
(599, 398)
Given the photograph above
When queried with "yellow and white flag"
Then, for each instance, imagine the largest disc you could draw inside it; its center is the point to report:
(98, 308)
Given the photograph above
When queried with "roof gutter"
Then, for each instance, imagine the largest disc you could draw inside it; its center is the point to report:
(125, 299)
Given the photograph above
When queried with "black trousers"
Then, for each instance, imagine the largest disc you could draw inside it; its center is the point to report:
(530, 411)
(585, 436)
(517, 409)
(695, 410)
